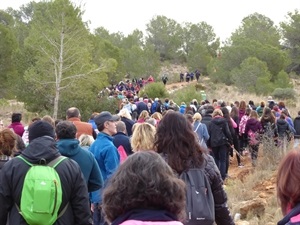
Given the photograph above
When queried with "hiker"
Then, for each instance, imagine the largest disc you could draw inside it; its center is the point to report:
(127, 119)
(253, 129)
(288, 178)
(220, 140)
(7, 146)
(143, 137)
(176, 142)
(73, 115)
(68, 146)
(164, 79)
(121, 138)
(201, 130)
(144, 190)
(107, 157)
(42, 149)
(16, 124)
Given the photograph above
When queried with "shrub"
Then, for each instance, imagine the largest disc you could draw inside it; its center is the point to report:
(284, 93)
(186, 95)
(154, 90)
(108, 104)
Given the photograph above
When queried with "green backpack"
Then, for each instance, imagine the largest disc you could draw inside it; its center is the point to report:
(41, 194)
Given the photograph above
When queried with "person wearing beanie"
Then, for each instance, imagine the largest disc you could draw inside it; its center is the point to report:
(69, 146)
(42, 149)
(106, 155)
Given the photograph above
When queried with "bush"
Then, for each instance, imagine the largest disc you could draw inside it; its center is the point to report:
(154, 90)
(284, 93)
(186, 95)
(108, 104)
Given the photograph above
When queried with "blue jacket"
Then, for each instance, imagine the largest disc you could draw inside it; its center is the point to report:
(86, 161)
(107, 157)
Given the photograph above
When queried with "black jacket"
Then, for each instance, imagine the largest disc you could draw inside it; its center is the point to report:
(219, 132)
(73, 184)
(293, 213)
(222, 214)
(282, 127)
(297, 126)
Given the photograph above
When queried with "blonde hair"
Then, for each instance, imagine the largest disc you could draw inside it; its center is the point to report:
(124, 113)
(144, 115)
(49, 120)
(197, 117)
(85, 140)
(156, 116)
(217, 112)
(143, 137)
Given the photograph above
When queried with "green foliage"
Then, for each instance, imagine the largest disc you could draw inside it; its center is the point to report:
(164, 34)
(153, 90)
(107, 104)
(186, 94)
(290, 30)
(284, 93)
(199, 58)
(246, 78)
(3, 102)
(283, 80)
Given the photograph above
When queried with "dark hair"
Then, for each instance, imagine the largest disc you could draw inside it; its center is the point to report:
(7, 142)
(16, 117)
(144, 181)
(233, 113)
(65, 130)
(176, 139)
(227, 116)
(288, 178)
(73, 112)
(267, 116)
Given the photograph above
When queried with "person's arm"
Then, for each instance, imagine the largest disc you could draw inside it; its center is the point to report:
(111, 160)
(95, 181)
(79, 200)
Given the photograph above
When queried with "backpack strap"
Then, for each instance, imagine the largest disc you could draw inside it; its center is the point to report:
(56, 161)
(22, 158)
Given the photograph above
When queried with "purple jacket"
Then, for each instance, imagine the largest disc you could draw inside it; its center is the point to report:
(254, 125)
(17, 127)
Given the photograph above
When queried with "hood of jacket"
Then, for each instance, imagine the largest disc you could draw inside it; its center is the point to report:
(41, 148)
(68, 147)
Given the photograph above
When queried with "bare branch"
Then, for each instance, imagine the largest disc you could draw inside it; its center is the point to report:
(83, 74)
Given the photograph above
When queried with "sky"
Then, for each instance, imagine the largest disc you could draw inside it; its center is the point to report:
(225, 16)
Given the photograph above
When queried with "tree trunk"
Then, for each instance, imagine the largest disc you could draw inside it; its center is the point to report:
(58, 75)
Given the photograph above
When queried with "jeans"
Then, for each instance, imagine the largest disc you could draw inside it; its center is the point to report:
(220, 155)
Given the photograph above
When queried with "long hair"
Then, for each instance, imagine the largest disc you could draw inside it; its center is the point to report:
(176, 139)
(144, 181)
(7, 142)
(143, 137)
(267, 116)
(288, 179)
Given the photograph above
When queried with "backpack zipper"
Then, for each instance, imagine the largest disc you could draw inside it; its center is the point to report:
(55, 200)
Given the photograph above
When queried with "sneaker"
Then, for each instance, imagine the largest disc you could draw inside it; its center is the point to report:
(240, 165)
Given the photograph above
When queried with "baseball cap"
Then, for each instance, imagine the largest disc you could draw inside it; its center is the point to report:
(105, 116)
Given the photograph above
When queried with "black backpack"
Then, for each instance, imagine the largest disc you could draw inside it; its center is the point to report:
(200, 206)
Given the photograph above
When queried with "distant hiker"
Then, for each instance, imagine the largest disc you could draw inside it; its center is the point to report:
(187, 77)
(197, 73)
(164, 79)
(181, 75)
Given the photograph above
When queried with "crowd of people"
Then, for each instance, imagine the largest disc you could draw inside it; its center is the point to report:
(125, 167)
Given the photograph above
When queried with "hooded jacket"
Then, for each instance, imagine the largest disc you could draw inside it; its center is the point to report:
(292, 218)
(254, 125)
(73, 185)
(85, 159)
(219, 132)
